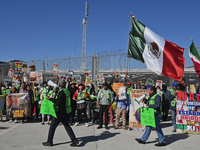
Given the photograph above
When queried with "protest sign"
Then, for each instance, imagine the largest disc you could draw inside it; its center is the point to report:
(122, 93)
(149, 81)
(24, 69)
(100, 79)
(18, 105)
(88, 81)
(2, 102)
(134, 111)
(39, 78)
(188, 112)
(159, 83)
(147, 117)
(33, 76)
(18, 66)
(32, 68)
(25, 77)
(47, 108)
(55, 69)
(116, 86)
(10, 73)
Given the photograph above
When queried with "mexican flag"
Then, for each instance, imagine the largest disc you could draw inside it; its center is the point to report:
(194, 55)
(158, 54)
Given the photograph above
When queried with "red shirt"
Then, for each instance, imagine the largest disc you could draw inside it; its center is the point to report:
(76, 95)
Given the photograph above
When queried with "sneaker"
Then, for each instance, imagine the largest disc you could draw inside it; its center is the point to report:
(22, 122)
(174, 130)
(116, 128)
(74, 143)
(15, 120)
(86, 124)
(77, 123)
(47, 143)
(140, 141)
(160, 144)
(99, 127)
(124, 128)
(42, 124)
(10, 121)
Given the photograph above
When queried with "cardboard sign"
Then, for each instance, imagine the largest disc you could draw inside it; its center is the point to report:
(32, 68)
(147, 117)
(149, 81)
(55, 69)
(159, 83)
(10, 73)
(39, 77)
(100, 79)
(122, 93)
(25, 77)
(24, 69)
(18, 67)
(33, 76)
(88, 81)
(116, 86)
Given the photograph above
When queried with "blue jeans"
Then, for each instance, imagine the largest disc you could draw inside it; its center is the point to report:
(173, 118)
(158, 130)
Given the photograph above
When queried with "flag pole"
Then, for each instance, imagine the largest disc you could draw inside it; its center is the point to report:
(128, 48)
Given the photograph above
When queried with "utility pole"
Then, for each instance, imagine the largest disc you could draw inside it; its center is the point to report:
(84, 36)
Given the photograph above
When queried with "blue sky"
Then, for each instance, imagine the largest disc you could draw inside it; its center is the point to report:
(30, 29)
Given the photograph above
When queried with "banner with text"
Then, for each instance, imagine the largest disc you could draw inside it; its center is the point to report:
(18, 105)
(188, 112)
(134, 113)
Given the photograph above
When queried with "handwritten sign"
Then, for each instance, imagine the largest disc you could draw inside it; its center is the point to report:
(10, 73)
(122, 93)
(33, 76)
(88, 81)
(147, 117)
(55, 69)
(47, 108)
(116, 86)
(159, 83)
(39, 77)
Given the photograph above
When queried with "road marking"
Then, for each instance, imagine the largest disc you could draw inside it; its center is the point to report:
(10, 129)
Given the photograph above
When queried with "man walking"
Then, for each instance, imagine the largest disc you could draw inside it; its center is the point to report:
(62, 108)
(153, 101)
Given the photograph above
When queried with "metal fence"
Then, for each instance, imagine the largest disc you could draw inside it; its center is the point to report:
(112, 60)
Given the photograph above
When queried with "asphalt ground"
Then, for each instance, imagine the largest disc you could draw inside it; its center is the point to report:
(29, 136)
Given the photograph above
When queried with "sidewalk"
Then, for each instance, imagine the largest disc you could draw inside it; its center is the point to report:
(29, 136)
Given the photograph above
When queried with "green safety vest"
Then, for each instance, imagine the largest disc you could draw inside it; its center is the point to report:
(44, 92)
(37, 96)
(173, 102)
(152, 102)
(83, 93)
(88, 91)
(68, 101)
(7, 91)
(129, 92)
(108, 97)
(3, 92)
(50, 93)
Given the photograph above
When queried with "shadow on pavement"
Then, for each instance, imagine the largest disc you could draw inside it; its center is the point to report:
(165, 124)
(4, 127)
(103, 136)
(86, 139)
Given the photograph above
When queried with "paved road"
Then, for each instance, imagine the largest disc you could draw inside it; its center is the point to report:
(29, 136)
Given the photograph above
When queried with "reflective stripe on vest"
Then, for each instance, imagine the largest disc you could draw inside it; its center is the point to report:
(173, 102)
(108, 97)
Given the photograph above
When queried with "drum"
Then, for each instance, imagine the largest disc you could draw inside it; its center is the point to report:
(81, 104)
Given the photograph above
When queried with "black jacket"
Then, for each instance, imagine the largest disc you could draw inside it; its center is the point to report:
(60, 101)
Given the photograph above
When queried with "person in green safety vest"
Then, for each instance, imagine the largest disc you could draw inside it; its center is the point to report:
(63, 108)
(173, 104)
(81, 94)
(104, 102)
(154, 101)
(36, 99)
(129, 88)
(90, 91)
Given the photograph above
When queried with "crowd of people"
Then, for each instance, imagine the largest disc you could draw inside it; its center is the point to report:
(74, 99)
